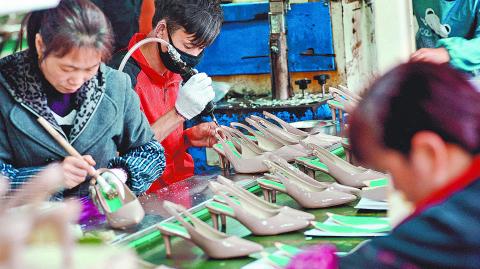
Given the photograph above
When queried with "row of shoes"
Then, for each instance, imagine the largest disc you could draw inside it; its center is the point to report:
(279, 138)
(256, 214)
(343, 98)
(343, 102)
(261, 216)
(306, 191)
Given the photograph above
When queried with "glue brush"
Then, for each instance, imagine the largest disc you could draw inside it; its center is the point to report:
(73, 152)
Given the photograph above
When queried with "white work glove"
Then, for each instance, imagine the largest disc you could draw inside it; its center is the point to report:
(194, 96)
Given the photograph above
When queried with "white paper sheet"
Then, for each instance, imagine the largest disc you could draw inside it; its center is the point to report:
(316, 232)
(369, 204)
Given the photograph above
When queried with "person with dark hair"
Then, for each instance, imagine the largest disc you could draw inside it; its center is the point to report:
(61, 78)
(190, 26)
(124, 17)
(427, 136)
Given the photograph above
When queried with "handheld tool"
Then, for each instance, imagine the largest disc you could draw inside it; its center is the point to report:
(111, 192)
(187, 73)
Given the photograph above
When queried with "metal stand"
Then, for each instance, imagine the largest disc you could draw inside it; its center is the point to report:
(280, 77)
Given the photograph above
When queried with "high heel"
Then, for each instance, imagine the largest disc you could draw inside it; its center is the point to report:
(280, 133)
(347, 92)
(343, 171)
(350, 97)
(215, 244)
(223, 160)
(348, 151)
(271, 135)
(287, 152)
(289, 139)
(122, 211)
(294, 174)
(241, 165)
(287, 126)
(265, 141)
(335, 107)
(243, 195)
(257, 219)
(247, 146)
(307, 195)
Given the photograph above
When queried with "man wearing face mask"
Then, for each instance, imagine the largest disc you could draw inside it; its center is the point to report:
(190, 26)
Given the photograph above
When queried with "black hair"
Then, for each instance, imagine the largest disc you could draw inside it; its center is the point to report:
(72, 24)
(416, 97)
(200, 18)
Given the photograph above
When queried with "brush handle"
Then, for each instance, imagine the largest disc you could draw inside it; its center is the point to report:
(58, 137)
(71, 150)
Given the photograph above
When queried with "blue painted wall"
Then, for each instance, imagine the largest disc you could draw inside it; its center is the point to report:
(242, 46)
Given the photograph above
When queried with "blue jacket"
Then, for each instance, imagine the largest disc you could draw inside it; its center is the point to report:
(443, 236)
(109, 126)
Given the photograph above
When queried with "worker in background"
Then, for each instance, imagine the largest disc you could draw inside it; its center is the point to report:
(61, 77)
(124, 17)
(427, 137)
(449, 32)
(190, 26)
(127, 18)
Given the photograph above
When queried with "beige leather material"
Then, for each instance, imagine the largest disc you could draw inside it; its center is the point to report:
(215, 244)
(131, 213)
(258, 220)
(343, 171)
(244, 195)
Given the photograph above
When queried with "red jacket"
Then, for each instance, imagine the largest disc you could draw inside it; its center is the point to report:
(158, 94)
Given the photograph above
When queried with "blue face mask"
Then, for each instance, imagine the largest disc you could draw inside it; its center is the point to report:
(189, 59)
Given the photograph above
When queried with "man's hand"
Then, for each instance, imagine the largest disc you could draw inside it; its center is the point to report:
(435, 56)
(202, 135)
(194, 96)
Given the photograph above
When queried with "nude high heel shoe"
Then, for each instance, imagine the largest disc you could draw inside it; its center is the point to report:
(251, 149)
(265, 141)
(243, 144)
(307, 195)
(343, 171)
(275, 131)
(215, 244)
(244, 195)
(258, 220)
(123, 211)
(350, 94)
(287, 126)
(288, 139)
(269, 135)
(293, 173)
(241, 165)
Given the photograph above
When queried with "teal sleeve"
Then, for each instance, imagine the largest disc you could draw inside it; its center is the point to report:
(464, 53)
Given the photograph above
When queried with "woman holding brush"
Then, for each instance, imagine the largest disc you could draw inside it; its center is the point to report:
(62, 78)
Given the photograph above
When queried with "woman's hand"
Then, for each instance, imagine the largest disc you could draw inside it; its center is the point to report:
(202, 135)
(77, 169)
(435, 56)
